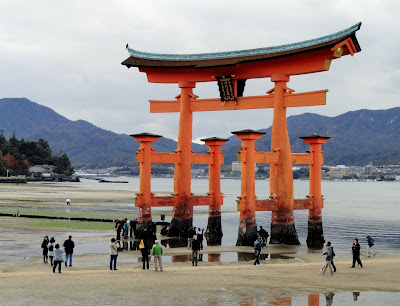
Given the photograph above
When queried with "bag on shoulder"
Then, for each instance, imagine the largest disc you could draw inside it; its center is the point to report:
(51, 248)
(372, 241)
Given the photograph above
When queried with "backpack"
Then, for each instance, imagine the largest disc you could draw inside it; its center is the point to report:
(372, 241)
(51, 248)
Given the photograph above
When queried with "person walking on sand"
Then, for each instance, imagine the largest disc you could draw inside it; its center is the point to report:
(58, 258)
(157, 251)
(195, 250)
(370, 242)
(356, 253)
(333, 255)
(51, 246)
(328, 259)
(114, 245)
(45, 247)
(68, 201)
(257, 251)
(69, 250)
(145, 253)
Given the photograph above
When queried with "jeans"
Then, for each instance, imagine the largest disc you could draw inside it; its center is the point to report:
(333, 266)
(70, 259)
(257, 254)
(113, 258)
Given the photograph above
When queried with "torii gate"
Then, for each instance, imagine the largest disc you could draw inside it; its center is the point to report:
(231, 70)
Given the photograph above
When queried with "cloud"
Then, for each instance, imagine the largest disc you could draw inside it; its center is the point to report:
(67, 55)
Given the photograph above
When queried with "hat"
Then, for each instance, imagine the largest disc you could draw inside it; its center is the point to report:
(157, 241)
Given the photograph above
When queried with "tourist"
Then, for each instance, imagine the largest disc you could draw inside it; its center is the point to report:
(58, 258)
(200, 237)
(264, 235)
(191, 233)
(68, 201)
(52, 245)
(328, 259)
(145, 253)
(356, 253)
(119, 226)
(114, 245)
(69, 250)
(333, 255)
(195, 249)
(257, 251)
(164, 231)
(45, 248)
(133, 226)
(125, 227)
(157, 251)
(370, 242)
(153, 230)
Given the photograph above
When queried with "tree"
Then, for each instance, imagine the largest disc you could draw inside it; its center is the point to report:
(63, 165)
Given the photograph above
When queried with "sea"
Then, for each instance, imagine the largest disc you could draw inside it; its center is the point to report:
(351, 208)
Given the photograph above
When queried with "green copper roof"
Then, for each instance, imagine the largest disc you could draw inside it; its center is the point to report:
(244, 53)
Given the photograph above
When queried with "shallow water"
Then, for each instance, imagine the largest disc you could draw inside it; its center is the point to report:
(351, 209)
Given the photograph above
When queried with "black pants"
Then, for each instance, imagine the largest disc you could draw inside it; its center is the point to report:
(356, 258)
(144, 260)
(51, 260)
(257, 254)
(57, 262)
(45, 258)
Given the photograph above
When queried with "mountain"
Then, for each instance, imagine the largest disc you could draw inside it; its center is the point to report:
(83, 142)
(357, 137)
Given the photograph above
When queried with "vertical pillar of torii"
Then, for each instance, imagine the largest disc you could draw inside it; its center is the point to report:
(182, 216)
(315, 236)
(214, 226)
(281, 176)
(247, 232)
(143, 154)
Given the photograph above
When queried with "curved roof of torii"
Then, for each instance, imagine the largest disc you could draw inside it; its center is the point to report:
(220, 59)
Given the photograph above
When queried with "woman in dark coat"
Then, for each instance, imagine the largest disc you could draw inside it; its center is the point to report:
(45, 248)
(356, 253)
(145, 253)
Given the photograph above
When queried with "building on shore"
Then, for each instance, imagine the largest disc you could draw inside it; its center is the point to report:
(339, 171)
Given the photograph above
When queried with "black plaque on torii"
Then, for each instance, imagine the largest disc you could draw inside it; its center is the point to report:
(226, 91)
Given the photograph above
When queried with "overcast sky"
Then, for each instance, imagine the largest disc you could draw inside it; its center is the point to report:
(67, 55)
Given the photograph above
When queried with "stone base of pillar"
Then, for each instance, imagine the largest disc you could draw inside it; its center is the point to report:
(284, 234)
(213, 233)
(146, 235)
(315, 236)
(247, 238)
(179, 228)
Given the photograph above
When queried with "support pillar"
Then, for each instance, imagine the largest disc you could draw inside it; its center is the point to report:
(182, 215)
(247, 233)
(214, 229)
(283, 230)
(143, 199)
(315, 236)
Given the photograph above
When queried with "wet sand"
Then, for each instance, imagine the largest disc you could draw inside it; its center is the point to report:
(91, 282)
(25, 279)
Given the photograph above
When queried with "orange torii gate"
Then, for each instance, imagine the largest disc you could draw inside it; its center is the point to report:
(248, 203)
(231, 70)
(145, 199)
